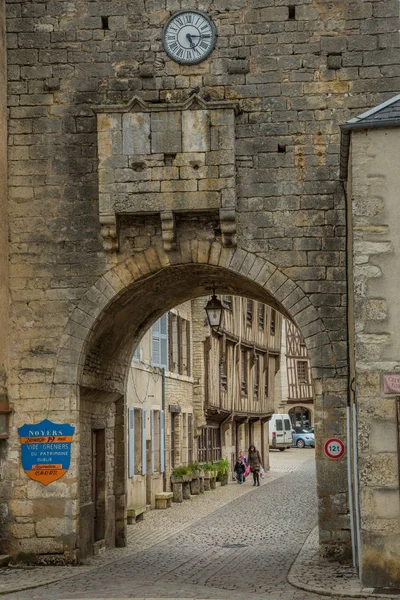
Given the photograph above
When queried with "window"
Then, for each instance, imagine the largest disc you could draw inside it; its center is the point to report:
(210, 444)
(273, 322)
(223, 376)
(185, 342)
(159, 347)
(156, 440)
(179, 345)
(202, 446)
(227, 302)
(249, 313)
(214, 445)
(279, 424)
(302, 371)
(261, 316)
(244, 372)
(222, 364)
(190, 437)
(256, 374)
(266, 375)
(136, 356)
(138, 429)
(172, 439)
(173, 342)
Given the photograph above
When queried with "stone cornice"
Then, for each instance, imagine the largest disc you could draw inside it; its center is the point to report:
(195, 102)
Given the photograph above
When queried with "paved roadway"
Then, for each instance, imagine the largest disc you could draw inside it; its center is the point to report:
(242, 551)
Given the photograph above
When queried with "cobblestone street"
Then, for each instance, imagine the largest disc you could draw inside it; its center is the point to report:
(237, 543)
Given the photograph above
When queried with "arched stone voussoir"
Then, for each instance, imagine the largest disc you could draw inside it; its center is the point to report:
(115, 289)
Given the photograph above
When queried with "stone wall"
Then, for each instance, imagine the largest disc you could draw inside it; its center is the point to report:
(374, 184)
(296, 74)
(4, 288)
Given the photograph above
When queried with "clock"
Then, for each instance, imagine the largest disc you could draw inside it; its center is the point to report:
(189, 36)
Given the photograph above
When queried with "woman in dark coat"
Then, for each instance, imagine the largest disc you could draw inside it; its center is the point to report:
(254, 462)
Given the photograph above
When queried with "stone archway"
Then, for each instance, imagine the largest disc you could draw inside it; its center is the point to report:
(99, 340)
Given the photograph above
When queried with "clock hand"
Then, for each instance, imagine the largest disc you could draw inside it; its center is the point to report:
(189, 37)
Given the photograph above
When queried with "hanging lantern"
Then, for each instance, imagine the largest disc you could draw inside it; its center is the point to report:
(214, 311)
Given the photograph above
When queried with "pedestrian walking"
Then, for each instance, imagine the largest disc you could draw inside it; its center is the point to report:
(239, 470)
(254, 460)
(247, 468)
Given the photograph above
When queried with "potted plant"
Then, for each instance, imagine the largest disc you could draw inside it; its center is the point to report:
(180, 481)
(197, 477)
(209, 475)
(223, 471)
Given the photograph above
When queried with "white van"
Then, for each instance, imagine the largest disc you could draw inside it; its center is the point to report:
(280, 432)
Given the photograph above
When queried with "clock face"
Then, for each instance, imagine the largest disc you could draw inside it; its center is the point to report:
(189, 36)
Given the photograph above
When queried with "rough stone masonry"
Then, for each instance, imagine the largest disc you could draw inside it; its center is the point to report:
(84, 282)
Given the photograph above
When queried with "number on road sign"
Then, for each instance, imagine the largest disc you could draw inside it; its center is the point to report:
(334, 448)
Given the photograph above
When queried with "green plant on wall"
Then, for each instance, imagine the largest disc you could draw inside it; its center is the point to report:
(195, 466)
(222, 470)
(181, 471)
(210, 467)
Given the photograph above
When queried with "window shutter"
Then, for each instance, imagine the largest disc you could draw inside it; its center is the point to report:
(162, 441)
(131, 425)
(144, 411)
(155, 344)
(188, 356)
(152, 439)
(164, 341)
(159, 346)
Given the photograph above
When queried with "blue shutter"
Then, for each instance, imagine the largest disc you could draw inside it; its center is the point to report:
(159, 343)
(152, 439)
(162, 441)
(131, 429)
(155, 344)
(144, 411)
(164, 341)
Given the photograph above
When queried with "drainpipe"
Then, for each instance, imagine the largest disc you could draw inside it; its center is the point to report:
(351, 408)
(164, 445)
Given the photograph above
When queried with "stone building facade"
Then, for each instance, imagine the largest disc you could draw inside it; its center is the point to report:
(294, 387)
(87, 278)
(370, 146)
(161, 431)
(239, 364)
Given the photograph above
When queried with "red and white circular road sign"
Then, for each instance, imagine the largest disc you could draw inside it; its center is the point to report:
(334, 448)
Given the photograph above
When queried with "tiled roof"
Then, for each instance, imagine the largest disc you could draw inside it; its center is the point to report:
(387, 112)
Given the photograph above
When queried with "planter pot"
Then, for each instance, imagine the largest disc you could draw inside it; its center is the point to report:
(177, 490)
(224, 480)
(186, 490)
(195, 483)
(213, 482)
(207, 478)
(181, 478)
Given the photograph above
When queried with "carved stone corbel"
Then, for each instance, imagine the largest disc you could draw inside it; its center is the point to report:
(227, 217)
(168, 231)
(109, 232)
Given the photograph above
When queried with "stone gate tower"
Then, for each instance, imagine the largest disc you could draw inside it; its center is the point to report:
(135, 182)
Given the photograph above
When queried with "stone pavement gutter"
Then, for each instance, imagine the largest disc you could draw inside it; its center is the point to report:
(311, 573)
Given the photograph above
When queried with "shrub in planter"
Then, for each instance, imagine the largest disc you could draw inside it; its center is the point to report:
(196, 468)
(181, 474)
(223, 471)
(180, 480)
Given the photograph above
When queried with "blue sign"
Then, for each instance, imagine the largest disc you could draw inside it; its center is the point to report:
(46, 450)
